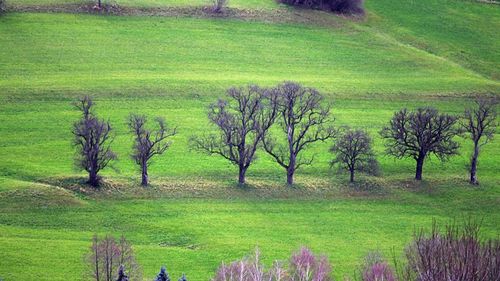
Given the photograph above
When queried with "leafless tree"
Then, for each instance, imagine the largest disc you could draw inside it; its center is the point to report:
(108, 256)
(420, 133)
(353, 152)
(303, 119)
(479, 122)
(457, 253)
(92, 139)
(243, 120)
(148, 142)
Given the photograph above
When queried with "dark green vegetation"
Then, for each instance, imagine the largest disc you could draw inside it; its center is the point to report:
(406, 53)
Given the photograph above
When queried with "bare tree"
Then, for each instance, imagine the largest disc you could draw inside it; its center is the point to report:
(353, 152)
(148, 142)
(108, 256)
(480, 124)
(243, 120)
(92, 139)
(303, 119)
(420, 133)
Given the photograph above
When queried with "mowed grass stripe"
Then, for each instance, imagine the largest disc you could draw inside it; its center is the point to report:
(82, 53)
(194, 236)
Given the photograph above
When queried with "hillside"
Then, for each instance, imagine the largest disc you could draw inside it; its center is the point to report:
(402, 54)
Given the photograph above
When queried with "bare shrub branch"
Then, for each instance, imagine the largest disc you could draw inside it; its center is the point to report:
(456, 254)
(108, 256)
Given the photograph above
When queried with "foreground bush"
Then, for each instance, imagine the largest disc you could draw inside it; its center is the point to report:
(338, 6)
(107, 256)
(456, 254)
(304, 266)
(375, 268)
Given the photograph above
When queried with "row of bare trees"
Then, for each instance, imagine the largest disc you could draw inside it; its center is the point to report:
(93, 137)
(245, 119)
(285, 120)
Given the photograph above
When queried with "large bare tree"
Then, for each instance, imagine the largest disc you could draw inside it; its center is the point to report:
(92, 140)
(148, 142)
(417, 134)
(303, 119)
(243, 119)
(479, 122)
(353, 152)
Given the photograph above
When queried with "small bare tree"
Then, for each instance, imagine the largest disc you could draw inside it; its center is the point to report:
(480, 124)
(108, 256)
(303, 119)
(420, 133)
(353, 152)
(148, 142)
(243, 120)
(92, 139)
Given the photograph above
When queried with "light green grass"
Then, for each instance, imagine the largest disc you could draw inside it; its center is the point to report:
(174, 67)
(194, 236)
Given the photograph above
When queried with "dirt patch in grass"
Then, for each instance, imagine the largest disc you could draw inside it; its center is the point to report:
(300, 16)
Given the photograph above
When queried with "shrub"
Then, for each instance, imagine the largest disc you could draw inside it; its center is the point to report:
(247, 269)
(2, 6)
(163, 275)
(107, 256)
(304, 266)
(121, 274)
(456, 254)
(375, 268)
(338, 6)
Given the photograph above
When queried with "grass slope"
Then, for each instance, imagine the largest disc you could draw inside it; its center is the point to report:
(175, 67)
(193, 236)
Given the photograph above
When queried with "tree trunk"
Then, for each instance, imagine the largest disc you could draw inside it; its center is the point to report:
(352, 175)
(99, 3)
(93, 178)
(144, 181)
(289, 175)
(420, 166)
(473, 165)
(241, 176)
(290, 171)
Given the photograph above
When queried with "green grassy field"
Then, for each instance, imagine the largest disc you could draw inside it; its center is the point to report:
(404, 54)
